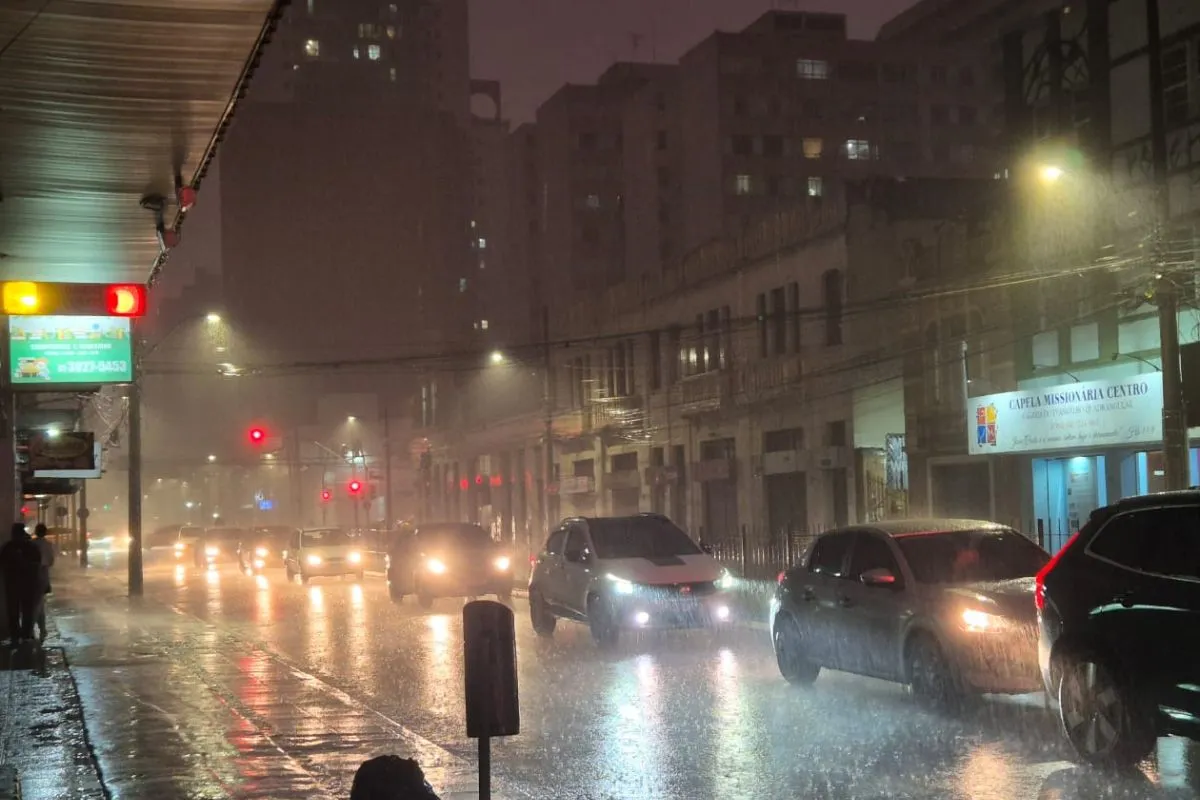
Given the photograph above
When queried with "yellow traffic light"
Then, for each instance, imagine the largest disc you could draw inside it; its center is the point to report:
(21, 297)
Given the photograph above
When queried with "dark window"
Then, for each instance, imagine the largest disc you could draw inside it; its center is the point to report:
(664, 177)
(967, 115)
(966, 77)
(779, 324)
(939, 115)
(743, 145)
(662, 140)
(655, 360)
(837, 433)
(1161, 541)
(660, 101)
(832, 291)
(970, 556)
(739, 106)
(937, 75)
(773, 146)
(794, 310)
(587, 141)
(871, 551)
(763, 337)
(829, 555)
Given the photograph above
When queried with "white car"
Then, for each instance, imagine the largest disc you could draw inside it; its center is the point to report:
(615, 573)
(323, 552)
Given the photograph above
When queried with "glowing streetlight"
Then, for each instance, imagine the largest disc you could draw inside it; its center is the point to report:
(211, 458)
(213, 317)
(189, 504)
(351, 418)
(1050, 173)
(497, 357)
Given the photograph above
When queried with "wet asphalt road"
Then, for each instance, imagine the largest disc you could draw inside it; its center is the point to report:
(678, 715)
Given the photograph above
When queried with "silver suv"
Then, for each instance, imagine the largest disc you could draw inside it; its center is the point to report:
(615, 573)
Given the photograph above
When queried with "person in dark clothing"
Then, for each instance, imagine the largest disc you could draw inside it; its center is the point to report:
(391, 778)
(21, 564)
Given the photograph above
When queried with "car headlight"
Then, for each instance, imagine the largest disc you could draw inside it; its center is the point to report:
(355, 557)
(726, 580)
(977, 621)
(261, 552)
(502, 563)
(313, 561)
(435, 566)
(212, 550)
(620, 585)
(179, 547)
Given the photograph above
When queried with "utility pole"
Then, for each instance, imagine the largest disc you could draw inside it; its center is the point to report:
(548, 434)
(387, 467)
(83, 514)
(135, 483)
(1175, 441)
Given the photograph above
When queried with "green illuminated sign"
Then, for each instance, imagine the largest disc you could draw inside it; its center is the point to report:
(69, 350)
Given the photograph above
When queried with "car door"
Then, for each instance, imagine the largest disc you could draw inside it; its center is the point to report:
(549, 571)
(815, 598)
(870, 618)
(577, 565)
(1149, 609)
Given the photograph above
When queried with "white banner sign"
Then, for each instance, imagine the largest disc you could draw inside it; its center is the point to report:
(1068, 417)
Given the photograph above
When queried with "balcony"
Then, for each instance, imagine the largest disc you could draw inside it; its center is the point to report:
(703, 394)
(769, 379)
(623, 479)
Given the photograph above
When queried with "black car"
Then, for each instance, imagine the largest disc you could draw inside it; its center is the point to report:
(218, 546)
(1119, 618)
(448, 559)
(943, 605)
(262, 548)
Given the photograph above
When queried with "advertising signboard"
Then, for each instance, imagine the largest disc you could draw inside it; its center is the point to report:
(49, 351)
(1111, 413)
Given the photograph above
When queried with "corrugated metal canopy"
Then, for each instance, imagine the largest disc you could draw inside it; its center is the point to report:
(101, 101)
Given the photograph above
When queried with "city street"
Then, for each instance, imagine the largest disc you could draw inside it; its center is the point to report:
(285, 689)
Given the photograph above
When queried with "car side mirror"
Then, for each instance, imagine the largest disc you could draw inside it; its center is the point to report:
(878, 578)
(705, 547)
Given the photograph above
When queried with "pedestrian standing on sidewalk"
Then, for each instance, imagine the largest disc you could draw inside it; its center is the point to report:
(391, 778)
(20, 563)
(46, 549)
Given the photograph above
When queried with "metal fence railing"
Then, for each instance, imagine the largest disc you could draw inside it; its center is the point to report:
(761, 554)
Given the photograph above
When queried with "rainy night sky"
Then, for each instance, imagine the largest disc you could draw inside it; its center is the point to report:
(535, 46)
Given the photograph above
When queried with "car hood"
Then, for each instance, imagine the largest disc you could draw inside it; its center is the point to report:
(1011, 598)
(696, 568)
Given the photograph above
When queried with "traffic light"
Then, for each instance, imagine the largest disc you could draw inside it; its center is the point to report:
(257, 435)
(326, 495)
(355, 487)
(22, 298)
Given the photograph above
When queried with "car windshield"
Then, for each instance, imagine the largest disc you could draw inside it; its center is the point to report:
(969, 556)
(640, 537)
(224, 534)
(464, 536)
(325, 537)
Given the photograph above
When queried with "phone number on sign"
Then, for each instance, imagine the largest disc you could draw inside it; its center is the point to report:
(91, 367)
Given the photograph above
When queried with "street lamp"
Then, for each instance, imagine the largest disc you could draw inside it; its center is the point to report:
(211, 458)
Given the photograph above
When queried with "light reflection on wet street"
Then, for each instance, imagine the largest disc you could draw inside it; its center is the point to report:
(285, 689)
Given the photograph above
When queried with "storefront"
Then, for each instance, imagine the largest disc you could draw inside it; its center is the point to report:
(1082, 445)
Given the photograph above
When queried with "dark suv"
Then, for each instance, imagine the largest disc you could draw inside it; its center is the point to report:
(1119, 617)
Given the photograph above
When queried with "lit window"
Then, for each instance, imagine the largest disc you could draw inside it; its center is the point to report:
(482, 243)
(356, 53)
(312, 48)
(392, 74)
(473, 223)
(812, 147)
(816, 187)
(812, 69)
(483, 324)
(462, 284)
(373, 52)
(392, 8)
(593, 201)
(858, 149)
(311, 10)
(742, 184)
(391, 31)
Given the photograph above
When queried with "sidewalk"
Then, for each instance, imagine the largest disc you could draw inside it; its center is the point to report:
(176, 710)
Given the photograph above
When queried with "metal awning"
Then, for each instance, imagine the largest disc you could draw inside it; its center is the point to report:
(101, 103)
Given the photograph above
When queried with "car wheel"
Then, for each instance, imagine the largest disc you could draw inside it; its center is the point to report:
(394, 591)
(789, 654)
(601, 623)
(291, 576)
(930, 674)
(1101, 716)
(540, 615)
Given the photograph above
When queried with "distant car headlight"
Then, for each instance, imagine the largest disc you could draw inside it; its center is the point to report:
(502, 563)
(313, 561)
(726, 581)
(355, 557)
(180, 547)
(212, 550)
(977, 621)
(620, 585)
(262, 552)
(435, 566)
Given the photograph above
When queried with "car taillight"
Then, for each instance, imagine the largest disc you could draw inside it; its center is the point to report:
(782, 577)
(1039, 585)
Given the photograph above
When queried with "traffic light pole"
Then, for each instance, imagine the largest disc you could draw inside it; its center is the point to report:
(135, 476)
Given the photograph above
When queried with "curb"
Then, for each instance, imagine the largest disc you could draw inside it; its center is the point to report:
(753, 625)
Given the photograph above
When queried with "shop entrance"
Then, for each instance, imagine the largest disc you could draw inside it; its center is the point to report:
(1065, 492)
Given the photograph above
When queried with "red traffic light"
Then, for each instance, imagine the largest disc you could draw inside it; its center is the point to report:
(125, 300)
(257, 435)
(326, 495)
(355, 487)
